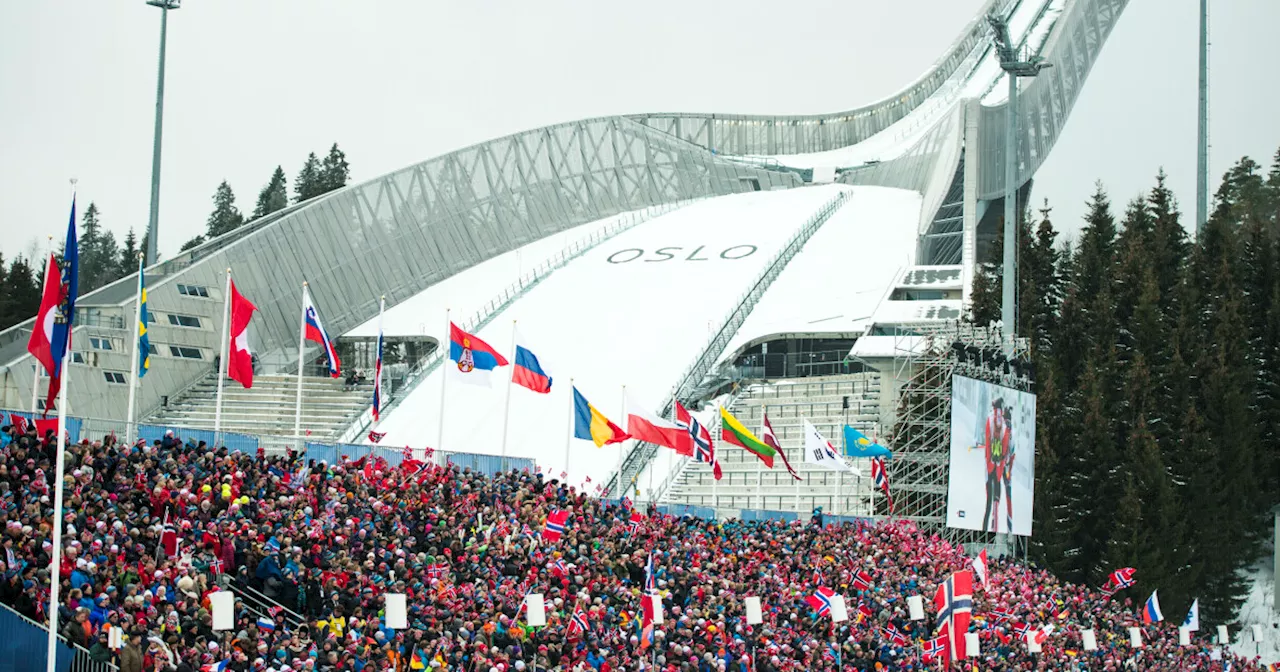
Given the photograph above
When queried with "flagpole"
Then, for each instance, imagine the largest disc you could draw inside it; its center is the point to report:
(760, 465)
(377, 378)
(506, 406)
(797, 485)
(622, 445)
(223, 353)
(568, 437)
(137, 357)
(715, 484)
(59, 471)
(446, 342)
(302, 346)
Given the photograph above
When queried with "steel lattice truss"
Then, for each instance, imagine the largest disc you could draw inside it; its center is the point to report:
(921, 436)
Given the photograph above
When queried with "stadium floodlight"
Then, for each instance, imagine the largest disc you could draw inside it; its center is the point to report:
(153, 221)
(1014, 67)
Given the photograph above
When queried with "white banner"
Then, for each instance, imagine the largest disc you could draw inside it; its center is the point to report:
(397, 617)
(915, 607)
(1090, 639)
(817, 450)
(222, 603)
(536, 614)
(755, 615)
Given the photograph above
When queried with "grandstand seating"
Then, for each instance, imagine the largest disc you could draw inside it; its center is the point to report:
(789, 403)
(328, 407)
(323, 543)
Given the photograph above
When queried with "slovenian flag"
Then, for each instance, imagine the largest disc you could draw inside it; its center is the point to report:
(473, 359)
(592, 425)
(312, 331)
(528, 371)
(1151, 610)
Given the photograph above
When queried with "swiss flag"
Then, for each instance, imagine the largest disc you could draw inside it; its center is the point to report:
(240, 361)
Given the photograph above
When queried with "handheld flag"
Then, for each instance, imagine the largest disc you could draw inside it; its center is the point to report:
(891, 633)
(733, 431)
(375, 437)
(556, 522)
(1193, 617)
(578, 624)
(933, 649)
(1119, 580)
(1151, 610)
(528, 372)
(821, 600)
(954, 603)
(862, 580)
(858, 445)
(473, 359)
(770, 439)
(240, 360)
(645, 426)
(313, 331)
(881, 477)
(377, 369)
(591, 425)
(980, 567)
(267, 624)
(144, 341)
(703, 450)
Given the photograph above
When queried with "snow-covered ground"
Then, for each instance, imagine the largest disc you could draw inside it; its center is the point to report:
(634, 311)
(1260, 609)
(837, 280)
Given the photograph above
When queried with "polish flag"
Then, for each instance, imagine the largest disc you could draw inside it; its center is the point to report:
(645, 426)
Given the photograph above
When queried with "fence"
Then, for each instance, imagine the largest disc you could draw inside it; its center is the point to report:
(24, 645)
(486, 464)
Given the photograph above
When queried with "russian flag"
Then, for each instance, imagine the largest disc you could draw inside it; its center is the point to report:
(266, 624)
(473, 359)
(312, 331)
(528, 371)
(219, 666)
(1151, 610)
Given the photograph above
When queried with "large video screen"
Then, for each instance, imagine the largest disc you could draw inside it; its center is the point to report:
(993, 457)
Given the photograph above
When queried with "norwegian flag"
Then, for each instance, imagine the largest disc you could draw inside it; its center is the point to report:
(375, 437)
(862, 580)
(564, 475)
(446, 591)
(215, 566)
(1119, 580)
(560, 568)
(437, 570)
(18, 422)
(525, 530)
(891, 633)
(556, 522)
(881, 477)
(980, 567)
(933, 649)
(578, 624)
(633, 525)
(589, 480)
(821, 600)
(1001, 616)
(817, 576)
(954, 604)
(408, 453)
(703, 450)
(1021, 629)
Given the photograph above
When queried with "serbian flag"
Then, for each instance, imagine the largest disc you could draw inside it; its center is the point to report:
(528, 370)
(556, 522)
(591, 425)
(645, 426)
(240, 360)
(314, 332)
(980, 567)
(821, 600)
(472, 359)
(1151, 610)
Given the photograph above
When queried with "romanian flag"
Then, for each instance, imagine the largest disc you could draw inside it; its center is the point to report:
(733, 431)
(591, 425)
(144, 342)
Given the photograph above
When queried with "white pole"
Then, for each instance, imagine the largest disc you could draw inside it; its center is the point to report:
(506, 405)
(445, 343)
(839, 482)
(302, 346)
(760, 466)
(137, 357)
(715, 485)
(568, 437)
(377, 381)
(622, 488)
(59, 470)
(224, 352)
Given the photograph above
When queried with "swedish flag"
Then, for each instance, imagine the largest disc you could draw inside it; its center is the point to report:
(144, 343)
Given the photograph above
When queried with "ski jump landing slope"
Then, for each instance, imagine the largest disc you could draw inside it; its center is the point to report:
(634, 311)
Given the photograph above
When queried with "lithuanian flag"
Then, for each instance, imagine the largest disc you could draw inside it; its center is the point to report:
(735, 432)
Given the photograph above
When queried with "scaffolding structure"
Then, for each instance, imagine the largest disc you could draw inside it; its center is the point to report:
(927, 356)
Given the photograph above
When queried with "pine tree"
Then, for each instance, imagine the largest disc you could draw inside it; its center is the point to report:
(335, 172)
(194, 242)
(1040, 282)
(225, 217)
(985, 293)
(4, 294)
(274, 196)
(129, 254)
(23, 296)
(91, 261)
(308, 183)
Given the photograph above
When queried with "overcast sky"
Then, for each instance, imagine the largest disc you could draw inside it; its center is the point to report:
(253, 84)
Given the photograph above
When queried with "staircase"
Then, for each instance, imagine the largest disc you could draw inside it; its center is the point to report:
(267, 408)
(789, 403)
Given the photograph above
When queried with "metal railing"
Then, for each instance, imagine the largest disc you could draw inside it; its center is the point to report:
(80, 662)
(362, 421)
(640, 455)
(261, 605)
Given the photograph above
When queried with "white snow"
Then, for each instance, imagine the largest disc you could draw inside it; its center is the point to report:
(838, 279)
(606, 323)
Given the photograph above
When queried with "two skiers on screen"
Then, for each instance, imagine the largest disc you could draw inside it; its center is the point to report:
(998, 446)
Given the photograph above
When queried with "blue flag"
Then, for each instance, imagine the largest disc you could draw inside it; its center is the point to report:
(856, 444)
(70, 287)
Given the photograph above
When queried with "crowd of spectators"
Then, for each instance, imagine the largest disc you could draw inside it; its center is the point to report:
(327, 541)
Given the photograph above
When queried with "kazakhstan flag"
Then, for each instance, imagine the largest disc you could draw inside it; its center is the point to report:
(858, 445)
(144, 343)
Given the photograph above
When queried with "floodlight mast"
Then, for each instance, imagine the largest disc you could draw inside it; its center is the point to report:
(1010, 62)
(154, 220)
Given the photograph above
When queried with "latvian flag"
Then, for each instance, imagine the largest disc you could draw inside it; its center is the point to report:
(556, 522)
(821, 600)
